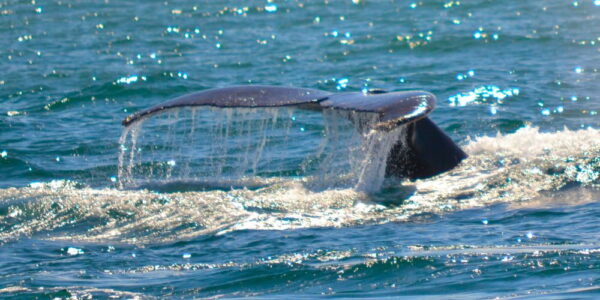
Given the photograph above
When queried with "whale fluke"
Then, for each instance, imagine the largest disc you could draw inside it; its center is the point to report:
(423, 150)
(394, 108)
(237, 96)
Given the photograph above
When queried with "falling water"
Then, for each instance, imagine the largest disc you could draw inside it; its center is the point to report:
(239, 147)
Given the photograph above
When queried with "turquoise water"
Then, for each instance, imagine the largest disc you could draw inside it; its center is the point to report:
(517, 85)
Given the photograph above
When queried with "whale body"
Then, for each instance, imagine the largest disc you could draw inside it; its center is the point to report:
(423, 150)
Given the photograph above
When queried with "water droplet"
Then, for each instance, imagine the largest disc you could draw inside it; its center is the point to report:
(508, 258)
(578, 70)
(484, 221)
(182, 75)
(3, 154)
(74, 251)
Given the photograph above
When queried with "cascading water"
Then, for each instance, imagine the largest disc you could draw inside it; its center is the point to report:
(206, 147)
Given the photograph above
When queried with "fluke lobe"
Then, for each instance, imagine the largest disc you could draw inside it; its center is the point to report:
(422, 150)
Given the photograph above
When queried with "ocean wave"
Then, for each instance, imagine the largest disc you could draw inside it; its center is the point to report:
(518, 169)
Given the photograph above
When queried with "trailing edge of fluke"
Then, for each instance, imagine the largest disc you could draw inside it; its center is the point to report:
(423, 150)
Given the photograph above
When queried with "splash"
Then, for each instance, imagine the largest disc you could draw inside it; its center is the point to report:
(528, 168)
(517, 169)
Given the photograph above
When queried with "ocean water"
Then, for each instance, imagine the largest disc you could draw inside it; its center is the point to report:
(85, 213)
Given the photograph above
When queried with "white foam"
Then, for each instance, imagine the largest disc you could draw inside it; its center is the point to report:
(530, 143)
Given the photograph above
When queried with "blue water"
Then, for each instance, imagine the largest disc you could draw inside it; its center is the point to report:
(517, 84)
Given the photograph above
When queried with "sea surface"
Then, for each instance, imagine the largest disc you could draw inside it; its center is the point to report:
(90, 209)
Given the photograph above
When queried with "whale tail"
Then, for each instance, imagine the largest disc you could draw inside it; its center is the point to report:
(423, 150)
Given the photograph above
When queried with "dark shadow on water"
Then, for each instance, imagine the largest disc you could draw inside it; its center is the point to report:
(393, 193)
